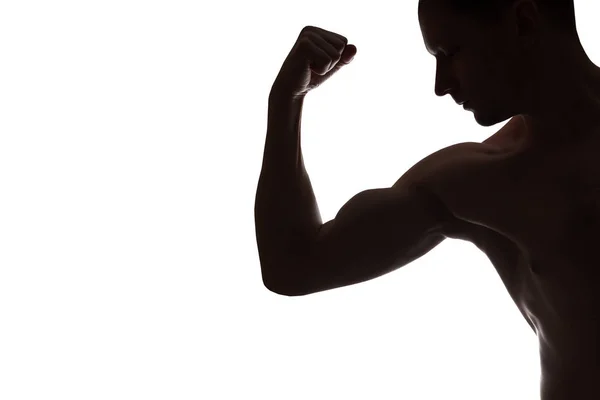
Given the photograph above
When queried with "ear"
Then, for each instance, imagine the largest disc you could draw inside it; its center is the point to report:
(527, 21)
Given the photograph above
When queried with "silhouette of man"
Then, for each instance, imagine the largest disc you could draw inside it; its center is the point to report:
(528, 196)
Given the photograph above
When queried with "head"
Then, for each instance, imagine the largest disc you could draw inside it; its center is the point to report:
(505, 57)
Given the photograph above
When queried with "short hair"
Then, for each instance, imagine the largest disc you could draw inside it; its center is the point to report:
(560, 13)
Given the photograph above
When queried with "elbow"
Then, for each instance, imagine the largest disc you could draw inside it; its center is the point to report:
(288, 287)
(283, 292)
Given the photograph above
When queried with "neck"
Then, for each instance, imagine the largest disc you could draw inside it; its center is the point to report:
(565, 104)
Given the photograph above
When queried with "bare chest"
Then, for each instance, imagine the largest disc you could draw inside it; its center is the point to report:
(538, 220)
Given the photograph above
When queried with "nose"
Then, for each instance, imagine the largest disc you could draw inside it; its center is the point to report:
(442, 88)
(443, 82)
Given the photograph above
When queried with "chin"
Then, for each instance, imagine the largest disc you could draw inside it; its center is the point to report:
(488, 119)
(486, 122)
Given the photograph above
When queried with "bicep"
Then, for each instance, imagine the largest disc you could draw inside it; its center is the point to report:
(374, 233)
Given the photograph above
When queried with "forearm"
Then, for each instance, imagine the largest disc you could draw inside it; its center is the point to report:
(286, 213)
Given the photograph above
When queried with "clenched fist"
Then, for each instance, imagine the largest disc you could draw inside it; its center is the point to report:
(316, 55)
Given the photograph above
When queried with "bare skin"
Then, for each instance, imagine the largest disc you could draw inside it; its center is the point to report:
(537, 222)
(528, 196)
(533, 205)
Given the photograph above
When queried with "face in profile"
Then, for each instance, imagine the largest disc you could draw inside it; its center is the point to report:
(476, 62)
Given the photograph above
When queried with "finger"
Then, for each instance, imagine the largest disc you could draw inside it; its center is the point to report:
(320, 61)
(346, 58)
(348, 54)
(337, 41)
(318, 40)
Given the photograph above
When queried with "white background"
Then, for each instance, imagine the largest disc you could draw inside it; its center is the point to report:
(131, 140)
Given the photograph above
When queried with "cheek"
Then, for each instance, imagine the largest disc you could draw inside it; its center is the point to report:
(489, 73)
(505, 66)
(514, 77)
(476, 73)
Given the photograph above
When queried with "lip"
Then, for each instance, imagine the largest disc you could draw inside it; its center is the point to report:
(465, 104)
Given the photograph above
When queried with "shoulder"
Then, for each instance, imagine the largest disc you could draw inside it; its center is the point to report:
(452, 179)
(458, 160)
(453, 174)
(463, 161)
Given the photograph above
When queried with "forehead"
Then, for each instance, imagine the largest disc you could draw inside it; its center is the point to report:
(442, 28)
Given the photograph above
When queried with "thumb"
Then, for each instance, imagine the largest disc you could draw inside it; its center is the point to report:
(348, 54)
(346, 58)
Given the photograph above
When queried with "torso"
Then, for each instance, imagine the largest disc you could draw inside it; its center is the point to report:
(537, 217)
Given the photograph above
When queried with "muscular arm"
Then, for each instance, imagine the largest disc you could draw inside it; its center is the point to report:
(375, 232)
(286, 213)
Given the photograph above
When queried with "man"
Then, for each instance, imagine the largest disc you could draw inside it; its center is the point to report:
(528, 196)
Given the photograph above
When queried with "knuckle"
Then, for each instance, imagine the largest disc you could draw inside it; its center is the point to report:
(305, 43)
(341, 42)
(305, 36)
(338, 41)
